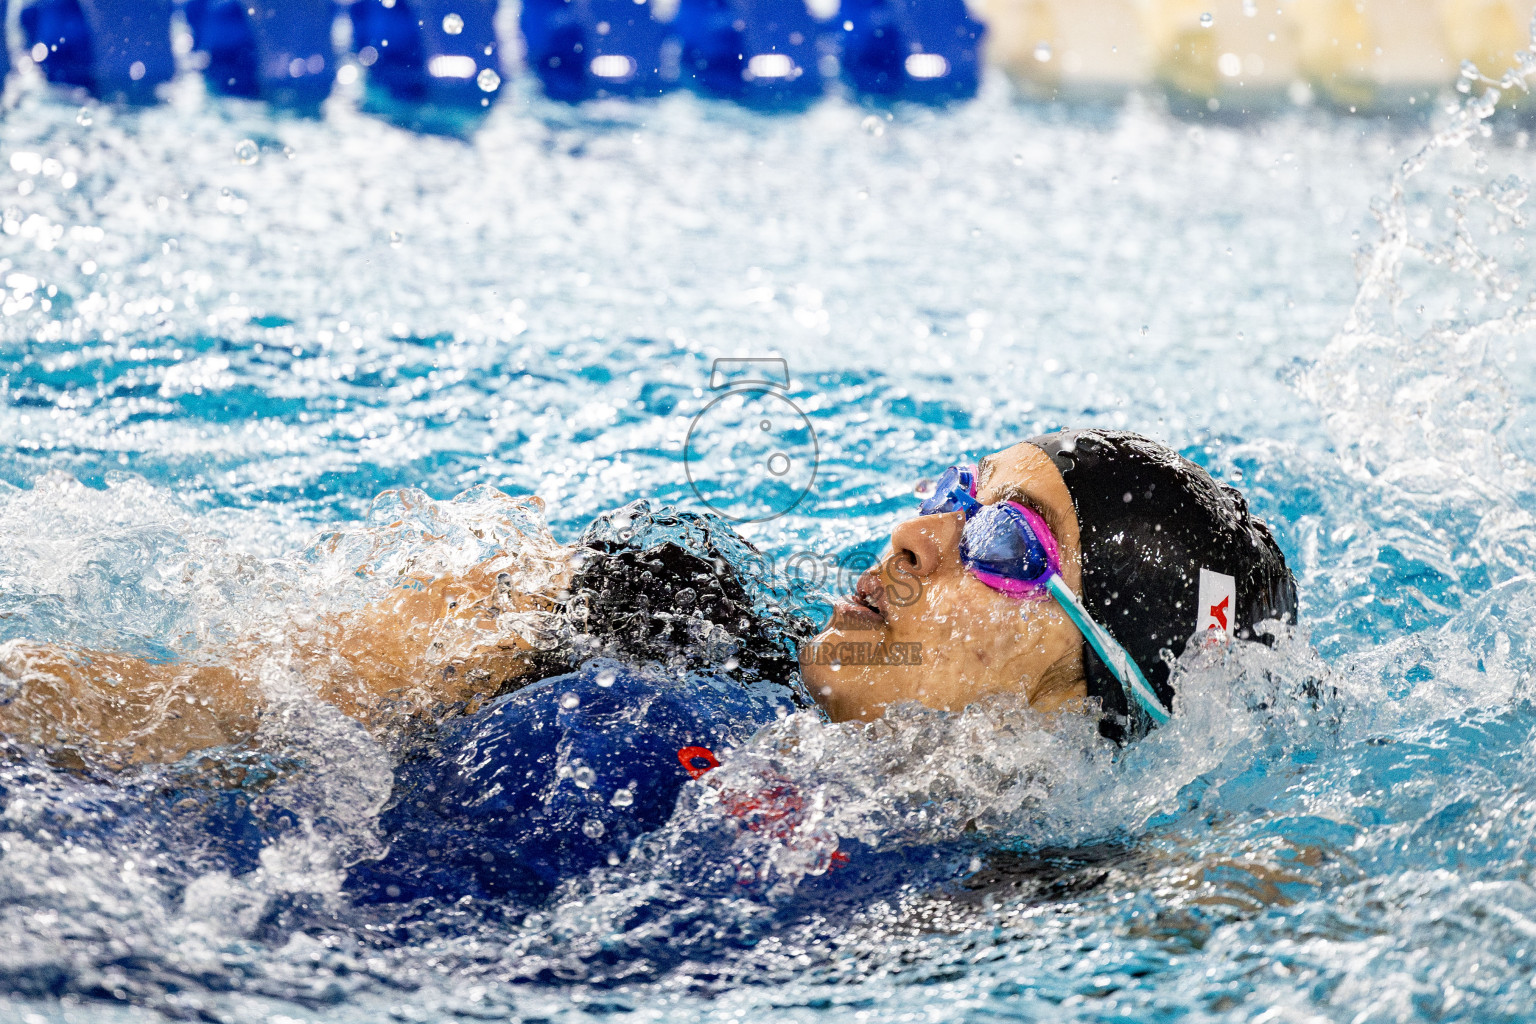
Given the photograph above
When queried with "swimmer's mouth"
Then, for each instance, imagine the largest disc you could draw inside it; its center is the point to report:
(865, 607)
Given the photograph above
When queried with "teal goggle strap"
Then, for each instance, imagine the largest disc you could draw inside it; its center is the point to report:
(1137, 689)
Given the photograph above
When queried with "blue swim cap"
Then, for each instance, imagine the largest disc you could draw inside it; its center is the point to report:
(557, 778)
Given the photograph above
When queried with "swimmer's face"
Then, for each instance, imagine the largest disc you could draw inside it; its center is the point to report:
(972, 640)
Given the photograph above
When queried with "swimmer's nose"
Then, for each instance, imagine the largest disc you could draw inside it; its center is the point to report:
(918, 545)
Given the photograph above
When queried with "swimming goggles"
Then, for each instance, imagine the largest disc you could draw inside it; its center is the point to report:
(1010, 548)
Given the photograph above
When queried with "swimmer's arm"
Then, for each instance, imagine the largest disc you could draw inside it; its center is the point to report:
(420, 652)
(117, 709)
(445, 642)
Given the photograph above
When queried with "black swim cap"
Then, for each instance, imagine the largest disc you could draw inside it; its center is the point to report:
(1150, 521)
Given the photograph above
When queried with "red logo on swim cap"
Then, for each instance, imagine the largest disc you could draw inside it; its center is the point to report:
(1219, 612)
(1218, 596)
(690, 758)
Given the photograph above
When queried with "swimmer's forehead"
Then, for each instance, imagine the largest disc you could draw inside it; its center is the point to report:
(1025, 474)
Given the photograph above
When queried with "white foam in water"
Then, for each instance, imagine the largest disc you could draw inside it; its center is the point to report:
(218, 426)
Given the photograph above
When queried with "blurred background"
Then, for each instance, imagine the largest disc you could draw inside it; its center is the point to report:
(1206, 56)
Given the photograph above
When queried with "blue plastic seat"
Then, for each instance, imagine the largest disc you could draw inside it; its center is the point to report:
(118, 49)
(433, 51)
(760, 52)
(582, 49)
(923, 50)
(277, 50)
(5, 56)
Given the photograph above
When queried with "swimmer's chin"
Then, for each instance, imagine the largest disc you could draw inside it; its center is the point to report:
(820, 651)
(826, 676)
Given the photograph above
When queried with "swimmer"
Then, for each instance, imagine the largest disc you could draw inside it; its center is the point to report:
(1063, 569)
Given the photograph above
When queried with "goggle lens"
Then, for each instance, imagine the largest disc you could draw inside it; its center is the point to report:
(1007, 546)
(1001, 540)
(944, 499)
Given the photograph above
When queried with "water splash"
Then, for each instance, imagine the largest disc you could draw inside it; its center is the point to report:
(1354, 850)
(1416, 397)
(1269, 812)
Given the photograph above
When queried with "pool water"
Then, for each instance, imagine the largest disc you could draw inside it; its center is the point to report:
(226, 333)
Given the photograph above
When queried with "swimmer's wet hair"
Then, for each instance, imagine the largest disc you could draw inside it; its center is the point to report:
(1150, 520)
(679, 589)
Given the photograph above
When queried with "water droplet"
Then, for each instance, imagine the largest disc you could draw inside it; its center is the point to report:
(606, 677)
(1018, 159)
(925, 489)
(622, 798)
(396, 239)
(84, 118)
(247, 152)
(569, 701)
(488, 80)
(613, 859)
(731, 664)
(584, 776)
(593, 829)
(873, 125)
(837, 666)
(1042, 51)
(1206, 20)
(453, 24)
